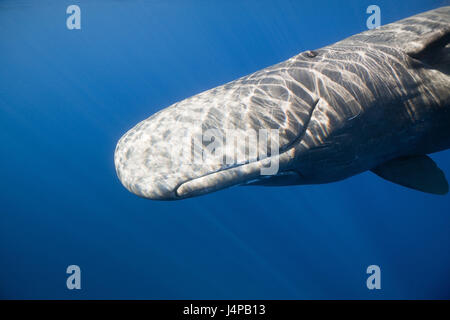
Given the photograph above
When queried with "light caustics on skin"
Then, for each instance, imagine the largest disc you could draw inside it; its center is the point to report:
(379, 100)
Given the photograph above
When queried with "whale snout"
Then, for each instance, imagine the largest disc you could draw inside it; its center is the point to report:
(138, 172)
(152, 158)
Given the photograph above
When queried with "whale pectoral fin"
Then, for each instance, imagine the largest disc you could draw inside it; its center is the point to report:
(433, 49)
(416, 172)
(428, 44)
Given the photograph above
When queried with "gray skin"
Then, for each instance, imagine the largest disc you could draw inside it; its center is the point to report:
(350, 107)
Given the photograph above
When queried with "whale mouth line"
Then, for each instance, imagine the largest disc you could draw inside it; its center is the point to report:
(226, 177)
(213, 181)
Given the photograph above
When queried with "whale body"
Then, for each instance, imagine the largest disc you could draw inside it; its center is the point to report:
(378, 100)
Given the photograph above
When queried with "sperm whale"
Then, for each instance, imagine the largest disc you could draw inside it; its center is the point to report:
(378, 100)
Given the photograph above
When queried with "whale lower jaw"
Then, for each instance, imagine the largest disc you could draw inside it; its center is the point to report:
(232, 176)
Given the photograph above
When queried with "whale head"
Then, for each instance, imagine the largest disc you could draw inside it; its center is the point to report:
(284, 125)
(238, 133)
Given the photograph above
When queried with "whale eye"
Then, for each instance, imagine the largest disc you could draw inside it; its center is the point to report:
(311, 54)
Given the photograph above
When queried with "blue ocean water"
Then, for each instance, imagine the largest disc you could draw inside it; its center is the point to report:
(67, 96)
